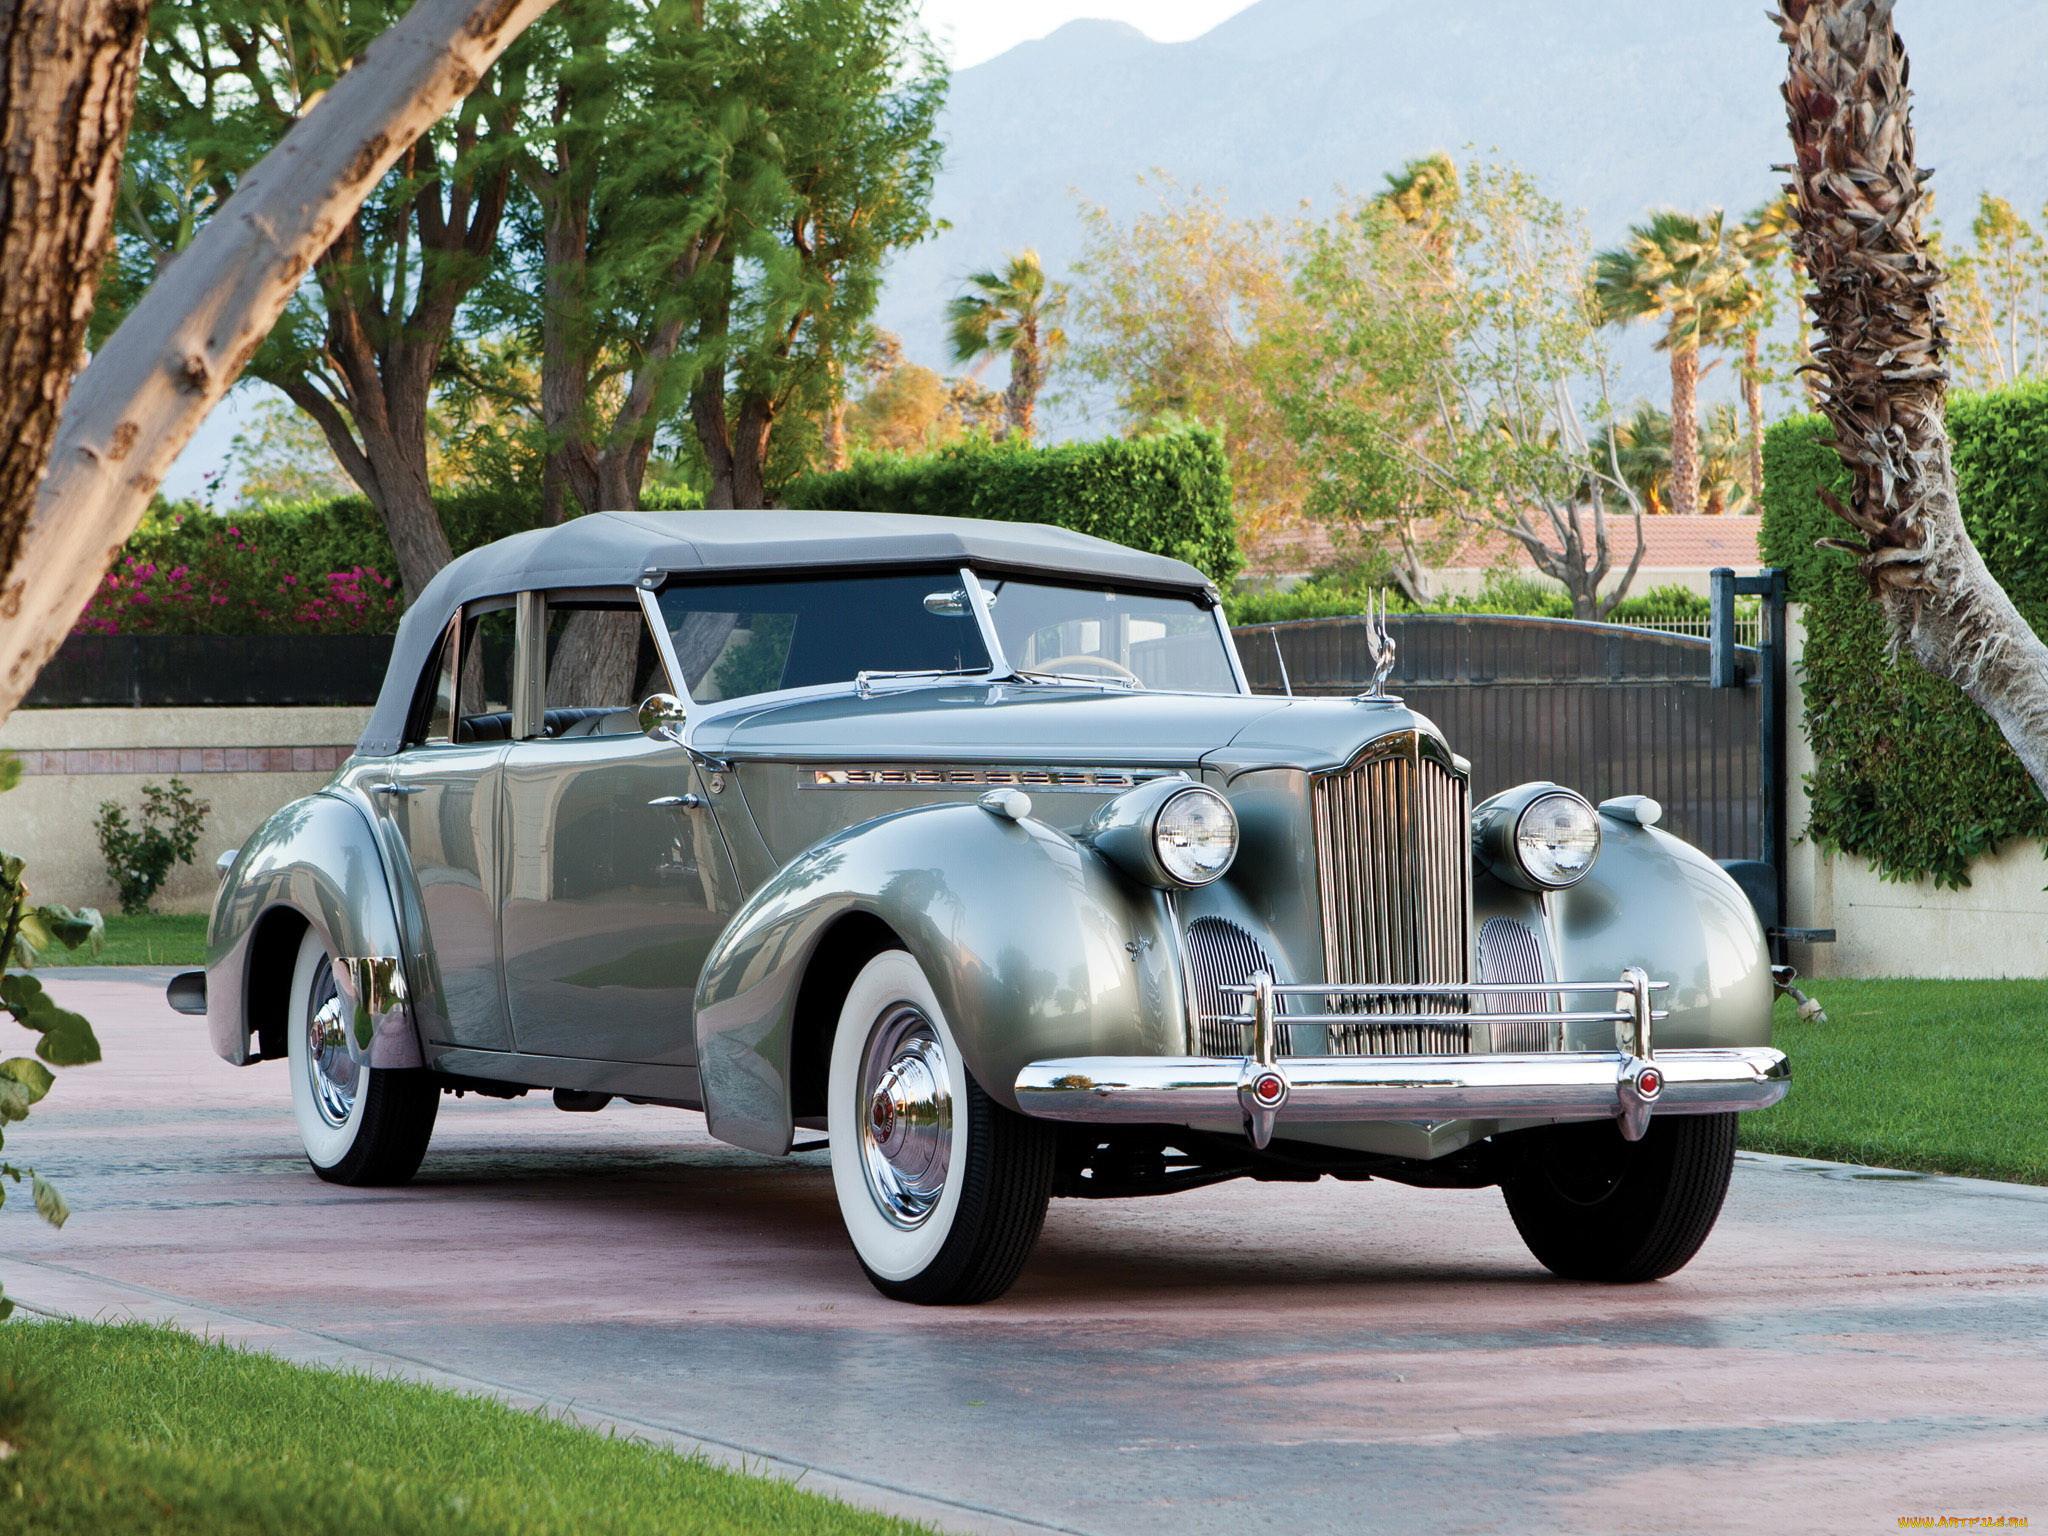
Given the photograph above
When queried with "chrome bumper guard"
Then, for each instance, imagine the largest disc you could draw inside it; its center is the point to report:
(1627, 1084)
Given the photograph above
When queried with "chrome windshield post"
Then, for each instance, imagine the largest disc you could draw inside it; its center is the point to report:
(983, 603)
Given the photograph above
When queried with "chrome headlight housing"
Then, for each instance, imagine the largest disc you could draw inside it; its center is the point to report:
(1540, 837)
(1169, 833)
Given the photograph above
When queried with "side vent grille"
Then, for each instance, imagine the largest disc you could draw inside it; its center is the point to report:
(1508, 952)
(1221, 954)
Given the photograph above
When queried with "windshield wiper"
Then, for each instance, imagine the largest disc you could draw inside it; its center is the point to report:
(1086, 679)
(863, 682)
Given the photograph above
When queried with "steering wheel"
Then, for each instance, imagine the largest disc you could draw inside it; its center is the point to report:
(1113, 668)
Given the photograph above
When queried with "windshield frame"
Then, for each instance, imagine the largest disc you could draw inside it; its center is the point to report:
(999, 670)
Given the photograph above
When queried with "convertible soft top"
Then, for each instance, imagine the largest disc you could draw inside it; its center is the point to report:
(608, 549)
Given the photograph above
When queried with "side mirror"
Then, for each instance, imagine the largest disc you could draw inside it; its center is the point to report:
(662, 716)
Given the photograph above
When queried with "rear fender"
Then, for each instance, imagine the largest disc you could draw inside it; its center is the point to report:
(315, 863)
(1033, 944)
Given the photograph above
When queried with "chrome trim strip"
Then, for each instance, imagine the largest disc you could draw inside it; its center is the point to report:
(1593, 1085)
(971, 776)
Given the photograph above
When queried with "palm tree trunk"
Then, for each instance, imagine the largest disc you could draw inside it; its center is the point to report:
(1753, 400)
(1877, 307)
(1685, 430)
(1020, 400)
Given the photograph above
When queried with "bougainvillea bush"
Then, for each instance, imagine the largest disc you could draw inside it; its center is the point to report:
(223, 581)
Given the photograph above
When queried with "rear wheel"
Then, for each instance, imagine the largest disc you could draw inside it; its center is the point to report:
(942, 1190)
(359, 1124)
(1593, 1206)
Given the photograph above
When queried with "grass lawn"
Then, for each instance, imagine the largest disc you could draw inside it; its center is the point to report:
(1942, 1076)
(158, 938)
(125, 1429)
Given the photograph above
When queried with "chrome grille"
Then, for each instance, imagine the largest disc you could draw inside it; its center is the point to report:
(1508, 952)
(1394, 859)
(1221, 954)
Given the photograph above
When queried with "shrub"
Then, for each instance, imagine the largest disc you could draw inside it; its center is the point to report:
(304, 567)
(1908, 772)
(1168, 494)
(140, 858)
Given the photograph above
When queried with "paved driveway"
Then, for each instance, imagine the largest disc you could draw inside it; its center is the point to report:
(1850, 1348)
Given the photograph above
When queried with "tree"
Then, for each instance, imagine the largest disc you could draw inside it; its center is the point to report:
(637, 175)
(189, 337)
(67, 87)
(852, 91)
(1014, 310)
(1353, 365)
(1170, 312)
(1640, 446)
(1514, 348)
(1677, 268)
(1877, 307)
(1999, 299)
(361, 345)
(1757, 244)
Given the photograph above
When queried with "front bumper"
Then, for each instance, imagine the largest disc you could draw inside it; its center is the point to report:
(1628, 1084)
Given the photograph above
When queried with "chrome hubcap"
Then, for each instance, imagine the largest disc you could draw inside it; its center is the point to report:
(906, 1114)
(334, 1074)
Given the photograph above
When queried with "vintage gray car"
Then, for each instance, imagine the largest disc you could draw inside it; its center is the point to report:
(968, 845)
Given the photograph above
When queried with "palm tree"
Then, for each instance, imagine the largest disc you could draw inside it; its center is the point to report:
(1421, 195)
(1015, 311)
(1757, 243)
(1677, 268)
(1639, 447)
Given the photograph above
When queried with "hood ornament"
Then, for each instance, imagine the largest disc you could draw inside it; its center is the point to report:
(1379, 644)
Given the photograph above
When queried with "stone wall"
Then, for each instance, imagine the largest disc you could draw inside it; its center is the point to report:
(245, 762)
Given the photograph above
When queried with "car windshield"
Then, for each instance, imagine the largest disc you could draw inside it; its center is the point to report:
(736, 638)
(1098, 634)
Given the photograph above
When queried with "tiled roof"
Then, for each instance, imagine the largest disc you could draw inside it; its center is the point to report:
(1669, 544)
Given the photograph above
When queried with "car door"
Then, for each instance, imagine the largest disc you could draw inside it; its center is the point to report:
(616, 881)
(440, 802)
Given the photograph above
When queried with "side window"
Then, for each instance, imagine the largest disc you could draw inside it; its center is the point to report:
(433, 711)
(601, 661)
(484, 694)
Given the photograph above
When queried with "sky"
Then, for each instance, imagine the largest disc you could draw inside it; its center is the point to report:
(975, 31)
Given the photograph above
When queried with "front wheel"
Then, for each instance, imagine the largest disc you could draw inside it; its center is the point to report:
(359, 1124)
(1593, 1206)
(942, 1190)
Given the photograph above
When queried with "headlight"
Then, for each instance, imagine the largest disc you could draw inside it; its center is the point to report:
(1538, 836)
(1195, 836)
(1557, 839)
(1166, 832)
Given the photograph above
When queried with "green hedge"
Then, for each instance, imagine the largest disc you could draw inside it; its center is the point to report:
(1908, 773)
(1169, 494)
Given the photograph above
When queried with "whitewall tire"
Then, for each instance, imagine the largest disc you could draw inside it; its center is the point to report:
(358, 1124)
(942, 1190)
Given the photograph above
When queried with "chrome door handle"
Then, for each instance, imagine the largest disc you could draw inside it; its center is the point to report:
(394, 789)
(678, 802)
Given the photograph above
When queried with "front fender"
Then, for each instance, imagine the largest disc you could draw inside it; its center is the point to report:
(1657, 902)
(1033, 944)
(317, 859)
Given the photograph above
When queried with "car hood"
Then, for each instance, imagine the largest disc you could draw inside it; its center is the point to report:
(1083, 727)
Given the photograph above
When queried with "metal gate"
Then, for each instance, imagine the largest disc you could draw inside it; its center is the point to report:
(1603, 708)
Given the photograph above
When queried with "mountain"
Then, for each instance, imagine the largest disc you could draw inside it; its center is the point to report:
(1616, 105)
